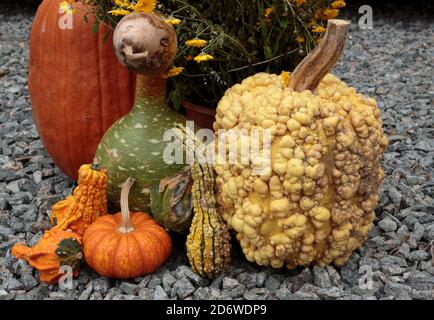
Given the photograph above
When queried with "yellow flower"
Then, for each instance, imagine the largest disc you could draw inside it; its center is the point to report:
(173, 21)
(66, 7)
(300, 39)
(145, 6)
(188, 58)
(330, 13)
(268, 12)
(285, 78)
(174, 72)
(119, 12)
(319, 29)
(300, 2)
(197, 43)
(338, 4)
(203, 57)
(122, 4)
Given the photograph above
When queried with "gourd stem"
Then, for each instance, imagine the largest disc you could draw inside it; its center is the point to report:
(322, 59)
(126, 225)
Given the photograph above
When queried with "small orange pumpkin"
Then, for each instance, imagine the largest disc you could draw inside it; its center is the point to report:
(126, 245)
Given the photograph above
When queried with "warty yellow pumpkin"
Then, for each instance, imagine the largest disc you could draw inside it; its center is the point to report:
(315, 202)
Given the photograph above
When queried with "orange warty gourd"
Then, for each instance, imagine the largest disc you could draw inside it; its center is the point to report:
(55, 249)
(77, 86)
(87, 203)
(126, 245)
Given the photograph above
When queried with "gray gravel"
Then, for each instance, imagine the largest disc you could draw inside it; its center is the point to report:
(392, 63)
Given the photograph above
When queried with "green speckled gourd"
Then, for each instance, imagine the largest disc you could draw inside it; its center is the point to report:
(134, 146)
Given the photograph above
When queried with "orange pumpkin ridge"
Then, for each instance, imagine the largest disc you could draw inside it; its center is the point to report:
(126, 245)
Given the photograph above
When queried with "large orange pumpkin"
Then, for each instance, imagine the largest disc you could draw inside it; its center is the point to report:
(76, 84)
(126, 245)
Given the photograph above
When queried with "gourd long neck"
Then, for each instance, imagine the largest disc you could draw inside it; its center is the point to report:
(150, 92)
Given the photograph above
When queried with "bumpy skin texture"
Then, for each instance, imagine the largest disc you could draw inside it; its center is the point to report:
(43, 256)
(119, 255)
(87, 203)
(208, 244)
(316, 203)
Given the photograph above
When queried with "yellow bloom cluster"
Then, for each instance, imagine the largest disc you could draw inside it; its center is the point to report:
(173, 21)
(145, 6)
(196, 43)
(338, 4)
(330, 13)
(124, 7)
(174, 72)
(300, 39)
(268, 12)
(203, 57)
(66, 7)
(119, 12)
(319, 29)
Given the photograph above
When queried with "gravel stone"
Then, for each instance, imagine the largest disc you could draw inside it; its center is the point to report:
(300, 295)
(114, 294)
(419, 255)
(85, 295)
(429, 233)
(321, 277)
(129, 288)
(14, 284)
(101, 285)
(160, 294)
(207, 293)
(388, 224)
(272, 284)
(168, 282)
(146, 294)
(96, 296)
(183, 288)
(283, 294)
(232, 288)
(395, 289)
(154, 281)
(29, 281)
(421, 280)
(257, 294)
(260, 279)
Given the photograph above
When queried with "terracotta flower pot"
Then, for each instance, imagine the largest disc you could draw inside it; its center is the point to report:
(202, 116)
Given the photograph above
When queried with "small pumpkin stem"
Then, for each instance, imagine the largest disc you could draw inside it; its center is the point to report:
(322, 59)
(126, 225)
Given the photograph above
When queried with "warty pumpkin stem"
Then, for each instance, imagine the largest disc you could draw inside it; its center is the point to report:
(126, 225)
